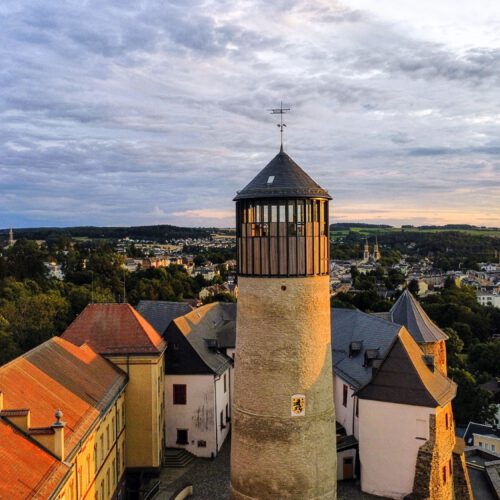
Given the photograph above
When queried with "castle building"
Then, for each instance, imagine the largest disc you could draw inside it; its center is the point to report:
(62, 424)
(198, 382)
(122, 336)
(432, 340)
(283, 437)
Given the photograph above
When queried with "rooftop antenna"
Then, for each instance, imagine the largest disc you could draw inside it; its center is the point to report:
(280, 111)
(124, 289)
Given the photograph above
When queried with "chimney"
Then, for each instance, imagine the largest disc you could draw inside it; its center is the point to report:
(58, 427)
(18, 417)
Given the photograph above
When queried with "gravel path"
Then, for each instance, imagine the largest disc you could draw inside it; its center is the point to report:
(210, 480)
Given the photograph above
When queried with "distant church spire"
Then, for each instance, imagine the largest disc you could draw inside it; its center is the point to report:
(376, 251)
(366, 251)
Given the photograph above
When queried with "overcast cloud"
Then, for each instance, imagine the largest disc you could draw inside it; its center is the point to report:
(149, 112)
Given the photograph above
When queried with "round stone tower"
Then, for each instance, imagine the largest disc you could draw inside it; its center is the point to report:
(283, 437)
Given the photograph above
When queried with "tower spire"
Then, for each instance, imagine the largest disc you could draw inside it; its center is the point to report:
(280, 111)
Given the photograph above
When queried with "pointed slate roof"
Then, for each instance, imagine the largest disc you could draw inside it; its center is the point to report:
(404, 378)
(201, 327)
(114, 329)
(159, 313)
(352, 325)
(409, 313)
(282, 178)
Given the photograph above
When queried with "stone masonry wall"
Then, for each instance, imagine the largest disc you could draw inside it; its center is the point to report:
(461, 482)
(283, 349)
(438, 350)
(434, 467)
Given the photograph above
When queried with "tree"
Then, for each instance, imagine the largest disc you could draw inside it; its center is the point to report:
(25, 261)
(8, 348)
(485, 357)
(471, 402)
(413, 287)
(219, 297)
(454, 347)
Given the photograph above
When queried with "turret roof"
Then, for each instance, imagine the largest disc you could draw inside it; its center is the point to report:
(282, 178)
(409, 313)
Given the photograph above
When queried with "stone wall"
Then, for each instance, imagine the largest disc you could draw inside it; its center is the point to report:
(434, 467)
(283, 349)
(438, 351)
(461, 482)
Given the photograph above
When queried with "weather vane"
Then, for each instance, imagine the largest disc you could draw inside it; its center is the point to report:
(280, 111)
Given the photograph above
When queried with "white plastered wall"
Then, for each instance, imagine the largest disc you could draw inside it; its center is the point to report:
(389, 438)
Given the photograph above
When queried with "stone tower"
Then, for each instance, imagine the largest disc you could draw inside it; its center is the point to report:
(366, 251)
(283, 437)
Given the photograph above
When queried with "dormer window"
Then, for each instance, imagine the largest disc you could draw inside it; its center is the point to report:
(370, 356)
(354, 348)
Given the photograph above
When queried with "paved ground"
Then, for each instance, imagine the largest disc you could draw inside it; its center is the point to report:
(210, 480)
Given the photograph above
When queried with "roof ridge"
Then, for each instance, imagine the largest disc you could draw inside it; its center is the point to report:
(138, 318)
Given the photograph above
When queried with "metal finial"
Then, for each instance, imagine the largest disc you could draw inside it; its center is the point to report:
(280, 111)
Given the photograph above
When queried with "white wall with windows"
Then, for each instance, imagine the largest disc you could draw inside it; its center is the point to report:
(193, 406)
(345, 406)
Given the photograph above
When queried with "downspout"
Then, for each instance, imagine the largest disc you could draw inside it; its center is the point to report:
(216, 417)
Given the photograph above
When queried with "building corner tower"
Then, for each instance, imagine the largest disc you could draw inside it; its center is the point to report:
(283, 437)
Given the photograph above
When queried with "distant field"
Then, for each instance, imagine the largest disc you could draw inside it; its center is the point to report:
(372, 231)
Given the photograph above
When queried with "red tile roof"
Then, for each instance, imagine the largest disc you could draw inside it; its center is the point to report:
(54, 375)
(114, 329)
(26, 470)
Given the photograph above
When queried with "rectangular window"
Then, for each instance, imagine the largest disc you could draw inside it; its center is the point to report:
(222, 423)
(493, 447)
(444, 474)
(447, 421)
(449, 466)
(225, 383)
(344, 396)
(180, 394)
(182, 436)
(357, 407)
(227, 413)
(107, 438)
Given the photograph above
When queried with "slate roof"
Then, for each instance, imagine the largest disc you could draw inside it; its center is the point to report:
(408, 312)
(207, 323)
(114, 329)
(350, 325)
(404, 378)
(54, 375)
(483, 429)
(290, 181)
(159, 313)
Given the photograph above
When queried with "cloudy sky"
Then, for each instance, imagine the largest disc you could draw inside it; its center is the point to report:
(123, 112)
